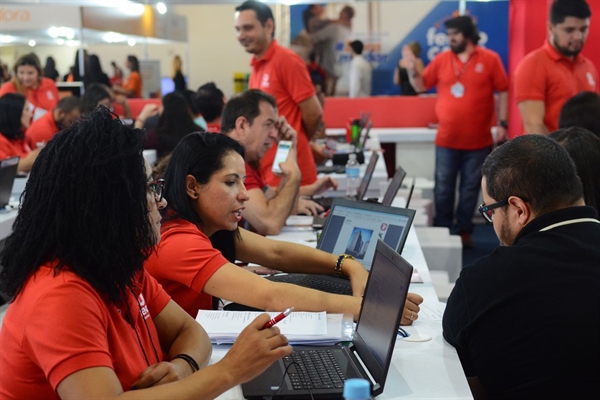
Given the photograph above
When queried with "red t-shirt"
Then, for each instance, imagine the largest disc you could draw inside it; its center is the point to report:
(41, 130)
(183, 262)
(283, 74)
(213, 127)
(253, 179)
(45, 96)
(547, 75)
(59, 325)
(465, 123)
(11, 148)
(134, 82)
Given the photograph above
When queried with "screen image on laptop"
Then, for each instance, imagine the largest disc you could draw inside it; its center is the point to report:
(355, 230)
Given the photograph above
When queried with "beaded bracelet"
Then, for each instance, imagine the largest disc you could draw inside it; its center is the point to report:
(338, 263)
(189, 360)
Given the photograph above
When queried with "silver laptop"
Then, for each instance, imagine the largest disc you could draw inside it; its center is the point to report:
(320, 372)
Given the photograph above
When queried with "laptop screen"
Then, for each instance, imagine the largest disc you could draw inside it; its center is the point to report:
(354, 229)
(364, 184)
(379, 317)
(8, 172)
(393, 187)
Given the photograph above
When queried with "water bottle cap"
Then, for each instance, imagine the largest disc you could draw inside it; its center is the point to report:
(357, 389)
(352, 156)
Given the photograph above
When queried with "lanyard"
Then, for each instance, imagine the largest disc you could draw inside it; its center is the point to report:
(569, 222)
(463, 69)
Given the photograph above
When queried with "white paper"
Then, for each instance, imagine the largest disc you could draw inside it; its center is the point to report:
(297, 323)
(431, 311)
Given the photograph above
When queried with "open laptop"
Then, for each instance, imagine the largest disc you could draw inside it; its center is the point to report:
(410, 192)
(8, 172)
(353, 227)
(326, 202)
(368, 357)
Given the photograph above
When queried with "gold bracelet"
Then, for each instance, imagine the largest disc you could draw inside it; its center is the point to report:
(338, 263)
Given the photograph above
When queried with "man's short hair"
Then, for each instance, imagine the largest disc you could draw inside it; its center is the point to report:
(263, 11)
(581, 110)
(465, 25)
(69, 104)
(246, 104)
(535, 168)
(208, 101)
(562, 9)
(357, 46)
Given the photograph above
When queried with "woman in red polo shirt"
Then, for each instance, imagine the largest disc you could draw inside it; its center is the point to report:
(15, 116)
(29, 80)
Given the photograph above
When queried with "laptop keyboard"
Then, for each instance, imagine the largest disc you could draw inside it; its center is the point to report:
(314, 282)
(313, 369)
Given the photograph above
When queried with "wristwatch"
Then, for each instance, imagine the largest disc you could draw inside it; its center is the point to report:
(503, 123)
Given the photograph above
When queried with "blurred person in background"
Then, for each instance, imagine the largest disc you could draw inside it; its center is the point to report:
(210, 101)
(98, 94)
(401, 74)
(29, 80)
(64, 114)
(15, 117)
(94, 72)
(50, 71)
(178, 78)
(132, 87)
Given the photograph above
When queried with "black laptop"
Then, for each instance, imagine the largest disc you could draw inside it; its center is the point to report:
(8, 172)
(326, 202)
(320, 372)
(353, 227)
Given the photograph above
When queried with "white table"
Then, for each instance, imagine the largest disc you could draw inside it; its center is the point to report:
(415, 149)
(419, 370)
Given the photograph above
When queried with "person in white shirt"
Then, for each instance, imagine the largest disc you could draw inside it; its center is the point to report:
(360, 71)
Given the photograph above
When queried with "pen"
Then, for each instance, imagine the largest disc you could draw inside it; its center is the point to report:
(278, 317)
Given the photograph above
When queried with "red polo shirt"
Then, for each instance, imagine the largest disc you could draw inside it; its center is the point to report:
(283, 74)
(45, 96)
(253, 178)
(41, 130)
(11, 148)
(465, 123)
(548, 76)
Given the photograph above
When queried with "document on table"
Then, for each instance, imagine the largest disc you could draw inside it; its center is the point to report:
(223, 326)
(431, 311)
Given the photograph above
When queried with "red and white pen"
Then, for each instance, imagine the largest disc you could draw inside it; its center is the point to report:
(278, 317)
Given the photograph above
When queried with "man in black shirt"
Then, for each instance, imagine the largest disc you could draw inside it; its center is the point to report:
(525, 319)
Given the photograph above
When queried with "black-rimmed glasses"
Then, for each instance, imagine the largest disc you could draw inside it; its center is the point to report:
(157, 188)
(488, 211)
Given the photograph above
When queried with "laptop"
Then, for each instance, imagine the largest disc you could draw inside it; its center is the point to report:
(392, 188)
(353, 227)
(326, 202)
(410, 192)
(369, 355)
(8, 172)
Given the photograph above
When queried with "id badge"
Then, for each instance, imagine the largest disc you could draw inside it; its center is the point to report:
(457, 90)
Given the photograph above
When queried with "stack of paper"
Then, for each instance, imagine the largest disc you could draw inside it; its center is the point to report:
(301, 328)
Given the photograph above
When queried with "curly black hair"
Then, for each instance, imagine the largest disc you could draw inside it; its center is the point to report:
(85, 207)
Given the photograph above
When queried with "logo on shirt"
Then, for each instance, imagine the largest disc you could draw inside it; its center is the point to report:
(143, 307)
(265, 80)
(479, 68)
(50, 95)
(590, 79)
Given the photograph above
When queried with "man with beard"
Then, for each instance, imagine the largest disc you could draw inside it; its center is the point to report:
(251, 118)
(549, 76)
(466, 78)
(525, 319)
(283, 74)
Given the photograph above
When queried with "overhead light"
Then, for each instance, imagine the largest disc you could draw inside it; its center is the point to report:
(31, 43)
(72, 43)
(113, 37)
(131, 8)
(60, 41)
(131, 42)
(6, 38)
(161, 7)
(61, 31)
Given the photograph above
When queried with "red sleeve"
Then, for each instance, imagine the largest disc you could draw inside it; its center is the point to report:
(61, 343)
(530, 80)
(295, 79)
(7, 87)
(156, 297)
(499, 75)
(253, 179)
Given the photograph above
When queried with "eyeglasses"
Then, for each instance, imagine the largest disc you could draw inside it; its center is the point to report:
(488, 211)
(157, 188)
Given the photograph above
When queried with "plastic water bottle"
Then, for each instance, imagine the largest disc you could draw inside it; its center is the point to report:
(352, 173)
(357, 389)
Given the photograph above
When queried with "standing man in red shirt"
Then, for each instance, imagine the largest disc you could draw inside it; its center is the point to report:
(466, 78)
(549, 76)
(283, 74)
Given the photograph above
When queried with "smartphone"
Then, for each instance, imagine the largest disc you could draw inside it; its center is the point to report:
(283, 149)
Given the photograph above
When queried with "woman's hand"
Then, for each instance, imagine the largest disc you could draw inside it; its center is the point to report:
(411, 309)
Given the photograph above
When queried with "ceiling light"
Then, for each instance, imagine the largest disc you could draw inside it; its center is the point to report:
(61, 31)
(131, 42)
(161, 7)
(113, 37)
(60, 41)
(72, 43)
(31, 43)
(6, 38)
